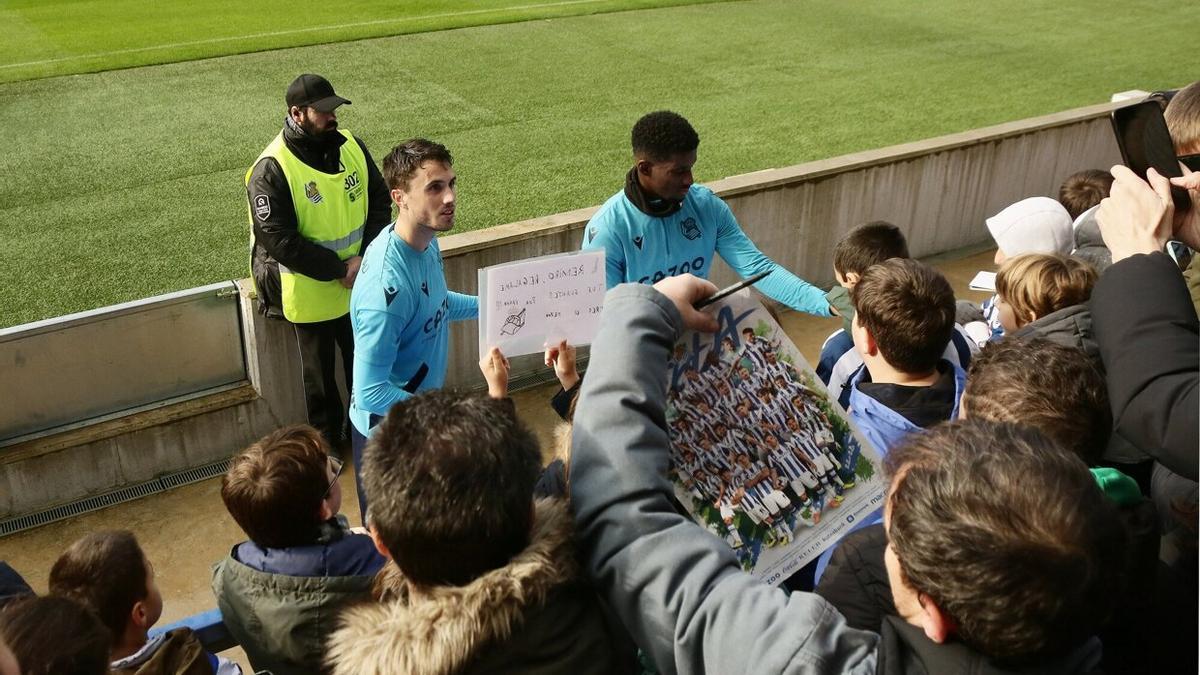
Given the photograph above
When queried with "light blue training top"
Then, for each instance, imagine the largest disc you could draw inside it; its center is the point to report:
(644, 248)
(400, 310)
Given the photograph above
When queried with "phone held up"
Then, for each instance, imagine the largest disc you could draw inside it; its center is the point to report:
(1145, 142)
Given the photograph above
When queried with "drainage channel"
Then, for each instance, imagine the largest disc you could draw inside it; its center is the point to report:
(107, 499)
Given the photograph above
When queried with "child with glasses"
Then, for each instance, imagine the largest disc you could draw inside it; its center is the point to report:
(278, 592)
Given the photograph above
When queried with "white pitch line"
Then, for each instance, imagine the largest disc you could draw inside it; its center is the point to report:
(317, 29)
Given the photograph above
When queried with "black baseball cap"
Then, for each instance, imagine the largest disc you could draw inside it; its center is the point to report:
(313, 91)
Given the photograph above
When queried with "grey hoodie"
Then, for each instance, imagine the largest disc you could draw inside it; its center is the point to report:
(679, 591)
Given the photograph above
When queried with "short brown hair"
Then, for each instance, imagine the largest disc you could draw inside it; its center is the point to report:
(54, 635)
(1053, 388)
(449, 480)
(908, 308)
(274, 488)
(1008, 534)
(1183, 119)
(403, 162)
(106, 571)
(1038, 284)
(868, 245)
(1084, 189)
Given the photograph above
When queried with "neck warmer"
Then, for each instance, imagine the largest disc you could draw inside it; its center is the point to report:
(651, 206)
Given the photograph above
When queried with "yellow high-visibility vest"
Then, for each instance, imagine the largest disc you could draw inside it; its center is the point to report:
(331, 211)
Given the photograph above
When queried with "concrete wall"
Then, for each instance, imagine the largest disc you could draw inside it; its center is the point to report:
(938, 190)
(139, 447)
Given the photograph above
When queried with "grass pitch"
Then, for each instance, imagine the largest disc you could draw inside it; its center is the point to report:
(62, 37)
(124, 184)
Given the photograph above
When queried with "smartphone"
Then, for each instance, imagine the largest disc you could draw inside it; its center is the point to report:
(1145, 142)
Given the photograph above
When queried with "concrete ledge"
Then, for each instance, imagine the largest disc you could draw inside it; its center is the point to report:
(126, 423)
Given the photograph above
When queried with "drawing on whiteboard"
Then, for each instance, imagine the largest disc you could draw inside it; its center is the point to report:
(514, 323)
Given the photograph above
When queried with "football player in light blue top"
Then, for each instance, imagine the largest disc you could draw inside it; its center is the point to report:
(662, 225)
(400, 308)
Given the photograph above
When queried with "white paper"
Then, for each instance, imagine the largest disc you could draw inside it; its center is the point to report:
(526, 305)
(984, 281)
(749, 399)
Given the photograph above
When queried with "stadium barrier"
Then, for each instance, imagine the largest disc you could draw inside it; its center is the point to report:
(938, 190)
(154, 389)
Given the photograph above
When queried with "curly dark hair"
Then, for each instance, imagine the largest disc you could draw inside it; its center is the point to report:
(1008, 534)
(663, 134)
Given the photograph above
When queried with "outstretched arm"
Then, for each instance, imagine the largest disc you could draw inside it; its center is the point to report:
(745, 259)
(463, 306)
(679, 591)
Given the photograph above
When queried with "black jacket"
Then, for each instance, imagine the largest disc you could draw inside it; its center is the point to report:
(1149, 341)
(856, 583)
(856, 580)
(1138, 634)
(277, 238)
(905, 649)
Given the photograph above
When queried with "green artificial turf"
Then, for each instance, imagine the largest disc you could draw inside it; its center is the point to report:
(43, 38)
(125, 184)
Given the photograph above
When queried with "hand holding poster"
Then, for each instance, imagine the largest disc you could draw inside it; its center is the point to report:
(761, 455)
(526, 305)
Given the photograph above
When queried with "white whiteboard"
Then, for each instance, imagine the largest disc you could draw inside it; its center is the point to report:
(525, 305)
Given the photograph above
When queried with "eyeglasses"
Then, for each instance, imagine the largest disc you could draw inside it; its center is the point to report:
(1190, 161)
(335, 464)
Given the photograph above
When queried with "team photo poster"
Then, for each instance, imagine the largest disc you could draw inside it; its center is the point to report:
(761, 455)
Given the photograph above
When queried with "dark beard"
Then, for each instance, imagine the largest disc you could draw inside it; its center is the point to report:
(311, 129)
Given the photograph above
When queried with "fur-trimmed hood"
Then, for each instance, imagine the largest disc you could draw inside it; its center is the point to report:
(432, 631)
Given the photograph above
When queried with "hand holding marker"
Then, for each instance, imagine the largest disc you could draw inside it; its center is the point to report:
(730, 290)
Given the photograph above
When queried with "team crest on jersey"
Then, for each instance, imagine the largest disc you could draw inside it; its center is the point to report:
(690, 229)
(313, 194)
(262, 207)
(637, 241)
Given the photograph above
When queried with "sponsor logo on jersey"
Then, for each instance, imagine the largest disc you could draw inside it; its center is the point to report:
(433, 323)
(690, 229)
(591, 234)
(425, 288)
(262, 207)
(637, 241)
(693, 266)
(313, 194)
(389, 294)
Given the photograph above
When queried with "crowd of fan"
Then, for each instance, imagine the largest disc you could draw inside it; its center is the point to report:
(1041, 452)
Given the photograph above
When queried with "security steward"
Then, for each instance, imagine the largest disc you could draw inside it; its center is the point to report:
(316, 200)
